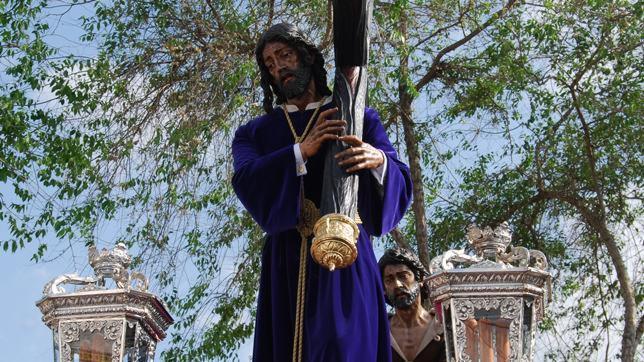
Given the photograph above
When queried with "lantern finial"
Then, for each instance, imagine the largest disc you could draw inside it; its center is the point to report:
(489, 243)
(111, 264)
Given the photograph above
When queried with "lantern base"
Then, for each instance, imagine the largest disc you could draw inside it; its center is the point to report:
(334, 244)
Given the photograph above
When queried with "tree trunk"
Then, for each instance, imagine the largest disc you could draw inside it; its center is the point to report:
(405, 111)
(629, 338)
(595, 218)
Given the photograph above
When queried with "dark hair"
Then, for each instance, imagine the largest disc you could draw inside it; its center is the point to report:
(397, 256)
(307, 53)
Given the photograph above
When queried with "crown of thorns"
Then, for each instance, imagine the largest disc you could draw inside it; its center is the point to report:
(397, 256)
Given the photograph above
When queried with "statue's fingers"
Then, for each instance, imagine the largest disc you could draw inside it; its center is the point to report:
(334, 130)
(358, 167)
(327, 137)
(353, 160)
(322, 127)
(351, 140)
(348, 152)
(326, 114)
(331, 124)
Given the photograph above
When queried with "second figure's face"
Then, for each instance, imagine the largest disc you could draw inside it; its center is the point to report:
(289, 74)
(401, 286)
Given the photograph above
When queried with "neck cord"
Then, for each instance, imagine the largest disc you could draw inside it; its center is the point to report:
(297, 138)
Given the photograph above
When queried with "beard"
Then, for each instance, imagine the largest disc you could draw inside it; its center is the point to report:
(300, 78)
(403, 298)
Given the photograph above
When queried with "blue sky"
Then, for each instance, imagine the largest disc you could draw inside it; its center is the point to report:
(23, 336)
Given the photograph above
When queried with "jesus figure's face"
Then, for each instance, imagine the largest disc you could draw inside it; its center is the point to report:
(289, 74)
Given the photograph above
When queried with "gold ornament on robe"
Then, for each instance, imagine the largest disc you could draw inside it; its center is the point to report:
(309, 214)
(334, 244)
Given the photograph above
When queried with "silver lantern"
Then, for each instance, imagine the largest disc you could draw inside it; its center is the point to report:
(490, 302)
(96, 323)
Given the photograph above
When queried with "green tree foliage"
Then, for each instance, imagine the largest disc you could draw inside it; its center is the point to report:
(47, 159)
(505, 110)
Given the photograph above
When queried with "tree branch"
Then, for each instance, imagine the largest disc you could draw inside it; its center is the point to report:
(438, 31)
(598, 224)
(640, 330)
(215, 13)
(433, 71)
(271, 13)
(328, 33)
(405, 99)
(540, 196)
(399, 238)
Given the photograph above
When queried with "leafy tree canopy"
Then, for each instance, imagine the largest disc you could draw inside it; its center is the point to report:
(505, 110)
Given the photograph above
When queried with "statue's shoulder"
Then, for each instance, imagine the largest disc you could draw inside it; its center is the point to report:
(371, 115)
(372, 124)
(259, 124)
(265, 118)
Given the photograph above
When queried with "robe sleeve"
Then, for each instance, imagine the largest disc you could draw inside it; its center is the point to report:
(381, 207)
(266, 184)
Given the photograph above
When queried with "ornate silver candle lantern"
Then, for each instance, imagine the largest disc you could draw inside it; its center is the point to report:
(99, 324)
(490, 302)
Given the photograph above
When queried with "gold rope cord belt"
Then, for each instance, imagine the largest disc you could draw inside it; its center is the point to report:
(298, 339)
(309, 215)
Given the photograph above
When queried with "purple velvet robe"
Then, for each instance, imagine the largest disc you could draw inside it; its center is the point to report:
(345, 317)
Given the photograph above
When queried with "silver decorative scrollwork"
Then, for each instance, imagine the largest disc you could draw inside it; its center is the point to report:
(538, 260)
(509, 309)
(489, 242)
(55, 285)
(138, 281)
(447, 260)
(518, 255)
(111, 264)
(69, 332)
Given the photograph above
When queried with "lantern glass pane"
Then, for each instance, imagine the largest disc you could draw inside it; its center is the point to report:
(487, 339)
(136, 347)
(91, 347)
(449, 332)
